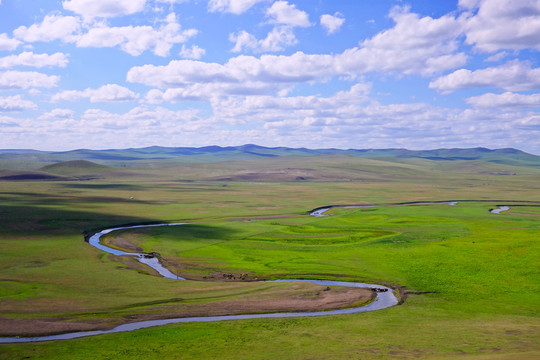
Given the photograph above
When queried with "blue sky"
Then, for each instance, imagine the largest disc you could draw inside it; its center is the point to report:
(309, 73)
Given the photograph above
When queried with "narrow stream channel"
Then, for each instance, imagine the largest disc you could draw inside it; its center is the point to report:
(500, 209)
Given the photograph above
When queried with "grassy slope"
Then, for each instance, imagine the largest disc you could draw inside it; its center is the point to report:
(74, 167)
(475, 311)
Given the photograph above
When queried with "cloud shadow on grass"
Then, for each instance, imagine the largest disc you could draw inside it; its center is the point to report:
(20, 221)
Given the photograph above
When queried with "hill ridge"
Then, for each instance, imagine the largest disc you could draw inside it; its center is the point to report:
(216, 153)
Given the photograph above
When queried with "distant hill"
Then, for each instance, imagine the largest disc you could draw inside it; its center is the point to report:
(133, 156)
(74, 167)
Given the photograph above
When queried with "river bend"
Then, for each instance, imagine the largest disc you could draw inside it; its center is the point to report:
(385, 296)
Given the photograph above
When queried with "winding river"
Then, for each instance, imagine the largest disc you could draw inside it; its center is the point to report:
(385, 296)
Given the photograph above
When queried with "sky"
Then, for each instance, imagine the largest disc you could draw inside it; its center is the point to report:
(360, 74)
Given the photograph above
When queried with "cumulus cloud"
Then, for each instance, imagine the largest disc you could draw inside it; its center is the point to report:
(285, 17)
(6, 43)
(351, 118)
(15, 103)
(193, 52)
(332, 23)
(53, 27)
(347, 118)
(132, 39)
(243, 40)
(241, 75)
(34, 60)
(58, 114)
(20, 80)
(104, 8)
(232, 6)
(498, 56)
(106, 93)
(136, 39)
(505, 100)
(420, 45)
(283, 13)
(274, 109)
(503, 24)
(141, 125)
(143, 122)
(276, 40)
(208, 91)
(512, 76)
(415, 45)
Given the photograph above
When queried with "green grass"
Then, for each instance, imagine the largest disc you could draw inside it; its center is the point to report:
(462, 253)
(478, 272)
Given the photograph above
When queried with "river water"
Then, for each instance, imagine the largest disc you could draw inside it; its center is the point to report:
(500, 209)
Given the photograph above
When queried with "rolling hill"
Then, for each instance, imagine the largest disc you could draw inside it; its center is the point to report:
(210, 154)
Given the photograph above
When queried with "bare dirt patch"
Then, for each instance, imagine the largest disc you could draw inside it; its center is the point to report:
(131, 263)
(123, 243)
(40, 327)
(319, 298)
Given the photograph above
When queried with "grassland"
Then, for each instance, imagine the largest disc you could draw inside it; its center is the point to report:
(471, 277)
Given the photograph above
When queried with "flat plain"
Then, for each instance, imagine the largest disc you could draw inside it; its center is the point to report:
(468, 278)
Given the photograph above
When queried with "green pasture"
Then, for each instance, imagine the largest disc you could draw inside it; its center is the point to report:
(472, 277)
(459, 254)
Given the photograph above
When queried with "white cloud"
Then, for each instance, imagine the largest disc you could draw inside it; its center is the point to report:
(193, 52)
(283, 13)
(136, 39)
(332, 23)
(241, 74)
(104, 8)
(208, 91)
(503, 24)
(505, 100)
(53, 27)
(498, 56)
(243, 40)
(6, 43)
(106, 93)
(34, 60)
(276, 40)
(141, 125)
(343, 104)
(346, 119)
(232, 6)
(58, 114)
(16, 80)
(15, 103)
(415, 45)
(512, 76)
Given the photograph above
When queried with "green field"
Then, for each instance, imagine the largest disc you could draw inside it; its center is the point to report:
(470, 278)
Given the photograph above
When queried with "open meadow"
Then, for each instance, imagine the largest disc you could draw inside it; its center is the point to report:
(468, 279)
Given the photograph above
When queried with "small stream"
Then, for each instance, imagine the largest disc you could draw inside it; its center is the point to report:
(146, 259)
(500, 209)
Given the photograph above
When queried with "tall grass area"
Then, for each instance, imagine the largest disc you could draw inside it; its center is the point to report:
(471, 277)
